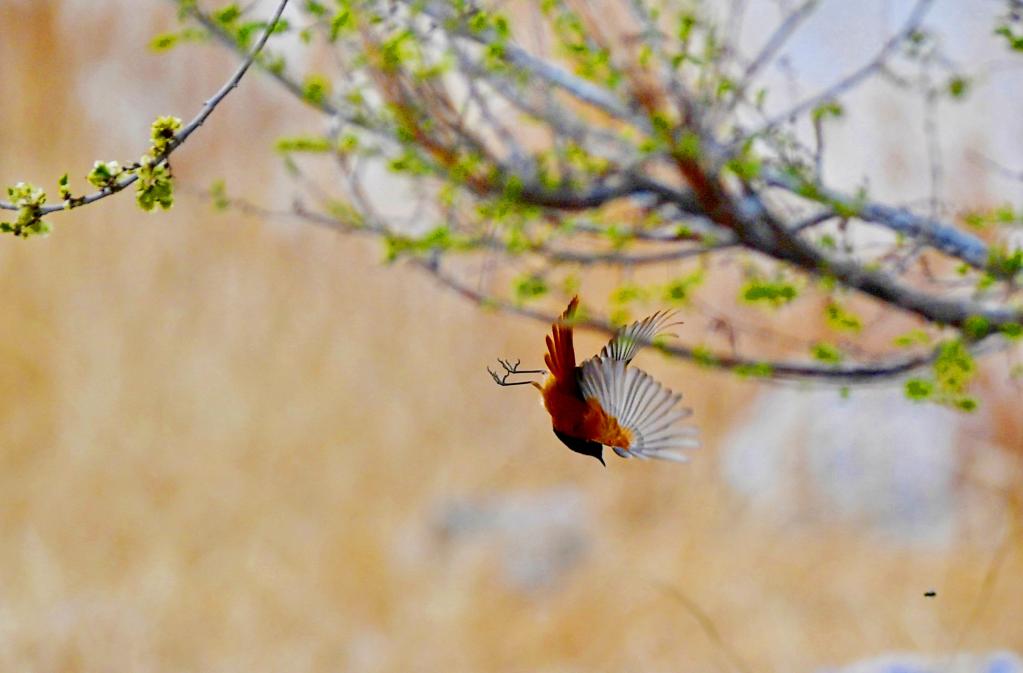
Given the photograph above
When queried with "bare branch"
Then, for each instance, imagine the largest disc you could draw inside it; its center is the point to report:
(770, 49)
(557, 76)
(852, 79)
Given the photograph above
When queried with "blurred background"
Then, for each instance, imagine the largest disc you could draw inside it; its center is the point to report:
(235, 445)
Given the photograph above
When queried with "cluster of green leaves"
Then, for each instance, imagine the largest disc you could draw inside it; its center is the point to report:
(104, 174)
(679, 290)
(695, 50)
(589, 59)
(304, 143)
(529, 286)
(746, 164)
(1010, 26)
(773, 293)
(154, 187)
(29, 200)
(951, 374)
(830, 109)
(438, 240)
(1000, 216)
(808, 188)
(170, 40)
(232, 19)
(1004, 263)
(340, 21)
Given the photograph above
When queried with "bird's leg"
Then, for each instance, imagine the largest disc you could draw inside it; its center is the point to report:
(509, 370)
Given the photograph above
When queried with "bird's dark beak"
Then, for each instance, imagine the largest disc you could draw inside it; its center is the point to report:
(601, 459)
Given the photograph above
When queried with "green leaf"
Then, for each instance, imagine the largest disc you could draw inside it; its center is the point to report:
(218, 195)
(1004, 264)
(760, 370)
(919, 389)
(826, 353)
(976, 327)
(530, 287)
(679, 290)
(774, 293)
(965, 403)
(1011, 330)
(341, 22)
(227, 14)
(104, 174)
(315, 8)
(958, 86)
(704, 357)
(916, 337)
(831, 108)
(954, 367)
(167, 41)
(302, 144)
(627, 293)
(840, 319)
(315, 88)
(63, 189)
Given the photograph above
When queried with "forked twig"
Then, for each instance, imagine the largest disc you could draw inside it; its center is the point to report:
(510, 369)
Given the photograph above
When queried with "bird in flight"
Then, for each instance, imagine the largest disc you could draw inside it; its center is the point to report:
(604, 401)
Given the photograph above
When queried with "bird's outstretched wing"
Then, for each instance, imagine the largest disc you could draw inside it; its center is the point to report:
(648, 411)
(627, 342)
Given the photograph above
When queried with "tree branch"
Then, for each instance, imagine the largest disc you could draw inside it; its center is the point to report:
(181, 136)
(852, 79)
(773, 370)
(934, 233)
(759, 230)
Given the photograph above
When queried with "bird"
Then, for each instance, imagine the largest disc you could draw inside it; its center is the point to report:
(605, 402)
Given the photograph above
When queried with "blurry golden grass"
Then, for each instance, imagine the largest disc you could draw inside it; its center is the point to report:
(223, 443)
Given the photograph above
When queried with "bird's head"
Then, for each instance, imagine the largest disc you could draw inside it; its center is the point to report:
(583, 446)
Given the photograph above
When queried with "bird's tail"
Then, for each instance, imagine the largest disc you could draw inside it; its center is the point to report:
(560, 357)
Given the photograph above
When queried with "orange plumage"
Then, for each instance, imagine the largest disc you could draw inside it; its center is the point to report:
(604, 402)
(571, 414)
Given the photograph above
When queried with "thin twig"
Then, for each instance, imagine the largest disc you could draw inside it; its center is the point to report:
(774, 43)
(853, 78)
(181, 136)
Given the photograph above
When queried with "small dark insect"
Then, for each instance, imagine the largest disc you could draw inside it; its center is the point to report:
(930, 594)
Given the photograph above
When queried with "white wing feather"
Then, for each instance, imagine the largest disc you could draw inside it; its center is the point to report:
(641, 405)
(627, 342)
